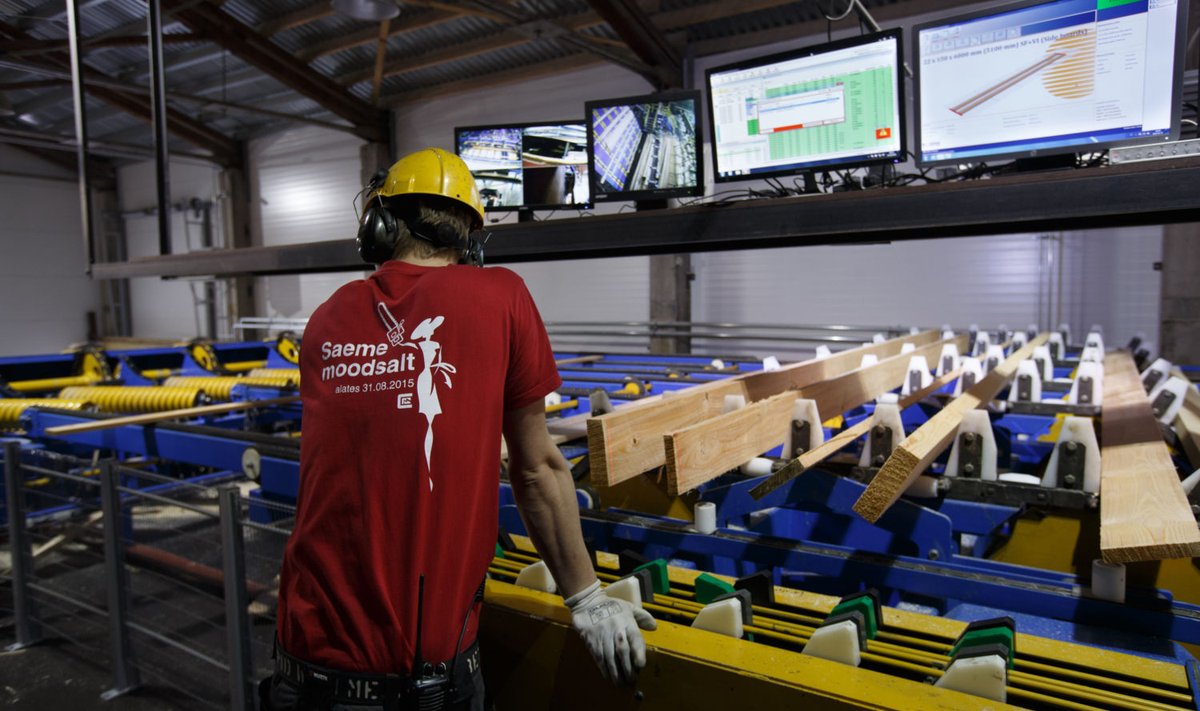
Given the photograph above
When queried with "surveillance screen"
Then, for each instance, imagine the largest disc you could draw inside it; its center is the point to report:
(531, 166)
(640, 147)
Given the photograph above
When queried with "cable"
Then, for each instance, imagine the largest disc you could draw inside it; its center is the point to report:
(849, 9)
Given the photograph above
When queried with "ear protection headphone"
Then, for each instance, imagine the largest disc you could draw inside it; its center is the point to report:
(379, 232)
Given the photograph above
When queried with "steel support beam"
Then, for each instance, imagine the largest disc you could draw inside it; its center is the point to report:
(253, 48)
(224, 149)
(644, 38)
(158, 114)
(81, 136)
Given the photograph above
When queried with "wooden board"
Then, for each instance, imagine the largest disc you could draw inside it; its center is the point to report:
(579, 359)
(839, 441)
(152, 417)
(920, 448)
(1144, 514)
(629, 441)
(706, 450)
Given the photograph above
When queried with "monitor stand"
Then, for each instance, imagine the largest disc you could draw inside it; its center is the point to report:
(524, 214)
(644, 205)
(810, 184)
(1065, 161)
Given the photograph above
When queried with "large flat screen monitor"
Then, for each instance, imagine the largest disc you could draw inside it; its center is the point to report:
(833, 105)
(541, 165)
(645, 147)
(1042, 77)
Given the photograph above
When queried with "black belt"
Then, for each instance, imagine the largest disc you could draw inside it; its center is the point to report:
(333, 686)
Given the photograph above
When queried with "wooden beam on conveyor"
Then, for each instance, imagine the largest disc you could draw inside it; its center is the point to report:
(1144, 514)
(840, 441)
(920, 448)
(706, 450)
(629, 441)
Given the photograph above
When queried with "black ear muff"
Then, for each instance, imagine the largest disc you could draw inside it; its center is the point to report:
(378, 235)
(473, 254)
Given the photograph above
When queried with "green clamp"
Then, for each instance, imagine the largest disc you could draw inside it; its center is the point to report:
(865, 603)
(996, 632)
(709, 588)
(658, 575)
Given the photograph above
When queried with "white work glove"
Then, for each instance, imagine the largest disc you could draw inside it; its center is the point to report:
(609, 628)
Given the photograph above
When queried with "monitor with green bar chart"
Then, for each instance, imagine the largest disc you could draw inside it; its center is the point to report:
(831, 106)
(1048, 77)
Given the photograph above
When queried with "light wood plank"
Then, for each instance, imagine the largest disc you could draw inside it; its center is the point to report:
(841, 440)
(1144, 514)
(628, 442)
(152, 417)
(706, 450)
(920, 448)
(579, 359)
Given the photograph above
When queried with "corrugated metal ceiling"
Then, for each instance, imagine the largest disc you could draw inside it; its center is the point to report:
(441, 43)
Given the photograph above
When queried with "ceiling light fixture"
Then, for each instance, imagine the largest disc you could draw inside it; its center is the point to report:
(369, 10)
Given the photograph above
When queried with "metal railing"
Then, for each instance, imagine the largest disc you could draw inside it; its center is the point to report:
(166, 580)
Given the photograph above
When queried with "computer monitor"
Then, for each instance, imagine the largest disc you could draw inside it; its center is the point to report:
(645, 147)
(538, 165)
(1045, 77)
(839, 104)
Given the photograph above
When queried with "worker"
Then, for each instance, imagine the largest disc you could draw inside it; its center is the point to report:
(409, 378)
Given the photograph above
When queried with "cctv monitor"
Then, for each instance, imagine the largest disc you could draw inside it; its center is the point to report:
(534, 166)
(645, 147)
(833, 105)
(1039, 77)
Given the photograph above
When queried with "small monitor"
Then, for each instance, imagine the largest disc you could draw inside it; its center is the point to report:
(537, 165)
(1047, 77)
(645, 147)
(833, 105)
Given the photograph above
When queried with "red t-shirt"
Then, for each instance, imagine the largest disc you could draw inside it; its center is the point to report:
(406, 377)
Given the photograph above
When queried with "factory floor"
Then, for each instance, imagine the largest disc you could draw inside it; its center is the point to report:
(57, 674)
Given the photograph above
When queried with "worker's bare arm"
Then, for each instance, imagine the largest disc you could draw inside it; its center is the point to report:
(545, 494)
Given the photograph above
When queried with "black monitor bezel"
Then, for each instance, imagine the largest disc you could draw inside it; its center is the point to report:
(811, 50)
(1176, 92)
(522, 126)
(636, 195)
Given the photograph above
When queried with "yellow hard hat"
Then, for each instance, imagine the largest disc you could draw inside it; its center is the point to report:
(433, 171)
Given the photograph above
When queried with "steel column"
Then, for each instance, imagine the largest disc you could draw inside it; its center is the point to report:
(158, 119)
(237, 622)
(125, 673)
(81, 137)
(26, 627)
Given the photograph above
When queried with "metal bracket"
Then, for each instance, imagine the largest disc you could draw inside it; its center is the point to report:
(881, 444)
(915, 381)
(1162, 403)
(1024, 388)
(801, 432)
(1071, 458)
(968, 381)
(970, 455)
(1041, 364)
(1152, 379)
(947, 363)
(1085, 389)
(1012, 494)
(1051, 408)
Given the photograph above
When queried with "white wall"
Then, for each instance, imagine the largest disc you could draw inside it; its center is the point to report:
(303, 183)
(45, 293)
(1111, 281)
(167, 308)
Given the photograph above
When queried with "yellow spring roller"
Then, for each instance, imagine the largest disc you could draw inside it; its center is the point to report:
(11, 409)
(220, 387)
(293, 373)
(135, 399)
